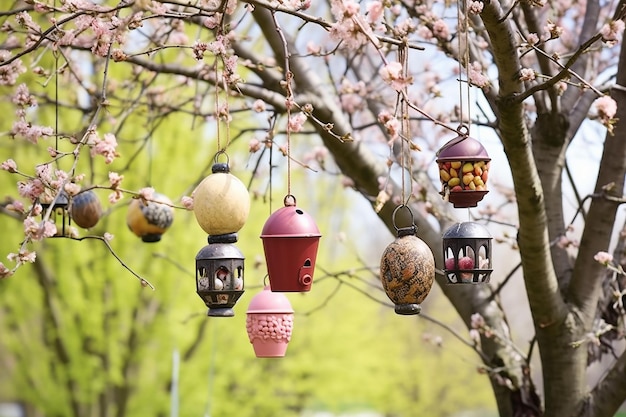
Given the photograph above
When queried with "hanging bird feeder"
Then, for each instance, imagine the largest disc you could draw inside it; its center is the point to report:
(269, 323)
(219, 275)
(85, 209)
(290, 241)
(407, 269)
(150, 219)
(467, 253)
(59, 209)
(221, 201)
(463, 170)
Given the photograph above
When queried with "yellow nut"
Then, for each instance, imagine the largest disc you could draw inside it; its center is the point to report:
(467, 178)
(468, 167)
(456, 164)
(454, 181)
(444, 175)
(454, 173)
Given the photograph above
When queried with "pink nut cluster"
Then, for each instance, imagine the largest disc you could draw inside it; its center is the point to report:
(269, 326)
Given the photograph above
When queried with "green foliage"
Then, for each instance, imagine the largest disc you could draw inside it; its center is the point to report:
(82, 337)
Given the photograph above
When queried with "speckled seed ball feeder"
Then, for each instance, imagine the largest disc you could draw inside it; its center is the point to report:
(290, 241)
(463, 170)
(269, 323)
(150, 219)
(407, 270)
(467, 253)
(85, 209)
(221, 202)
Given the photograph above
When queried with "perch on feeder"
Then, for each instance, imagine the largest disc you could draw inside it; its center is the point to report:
(269, 323)
(219, 275)
(85, 209)
(407, 269)
(150, 219)
(290, 241)
(59, 208)
(467, 253)
(463, 170)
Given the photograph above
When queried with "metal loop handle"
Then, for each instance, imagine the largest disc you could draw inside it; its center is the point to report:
(463, 132)
(411, 228)
(220, 153)
(289, 200)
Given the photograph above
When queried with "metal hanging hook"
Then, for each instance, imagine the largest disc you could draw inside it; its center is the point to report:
(404, 231)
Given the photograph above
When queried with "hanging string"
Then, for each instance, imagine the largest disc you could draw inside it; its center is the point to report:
(288, 76)
(406, 126)
(463, 58)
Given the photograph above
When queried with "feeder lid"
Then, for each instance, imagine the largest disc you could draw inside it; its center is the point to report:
(463, 147)
(62, 201)
(290, 221)
(219, 251)
(467, 230)
(269, 302)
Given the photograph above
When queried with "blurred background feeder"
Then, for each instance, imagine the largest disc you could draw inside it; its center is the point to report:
(290, 241)
(467, 253)
(463, 170)
(150, 219)
(269, 323)
(59, 210)
(85, 209)
(219, 275)
(407, 270)
(221, 202)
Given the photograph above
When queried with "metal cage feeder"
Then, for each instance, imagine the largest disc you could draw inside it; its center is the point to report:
(467, 253)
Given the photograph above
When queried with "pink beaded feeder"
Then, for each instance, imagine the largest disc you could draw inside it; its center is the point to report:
(463, 170)
(269, 323)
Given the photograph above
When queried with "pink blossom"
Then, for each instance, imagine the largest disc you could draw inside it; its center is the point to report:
(10, 72)
(254, 145)
(4, 271)
(604, 258)
(296, 122)
(475, 6)
(23, 256)
(527, 74)
(22, 97)
(258, 106)
(441, 29)
(32, 133)
(476, 75)
(313, 48)
(9, 165)
(31, 189)
(115, 196)
(611, 31)
(108, 236)
(554, 31)
(477, 321)
(606, 108)
(343, 9)
(393, 74)
(72, 188)
(115, 179)
(146, 193)
(187, 202)
(532, 39)
(105, 147)
(16, 206)
(374, 10)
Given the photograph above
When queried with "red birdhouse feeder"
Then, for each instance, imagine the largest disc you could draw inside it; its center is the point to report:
(290, 240)
(269, 323)
(463, 170)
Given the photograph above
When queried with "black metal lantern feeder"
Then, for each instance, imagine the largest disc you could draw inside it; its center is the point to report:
(59, 209)
(463, 170)
(219, 274)
(467, 253)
